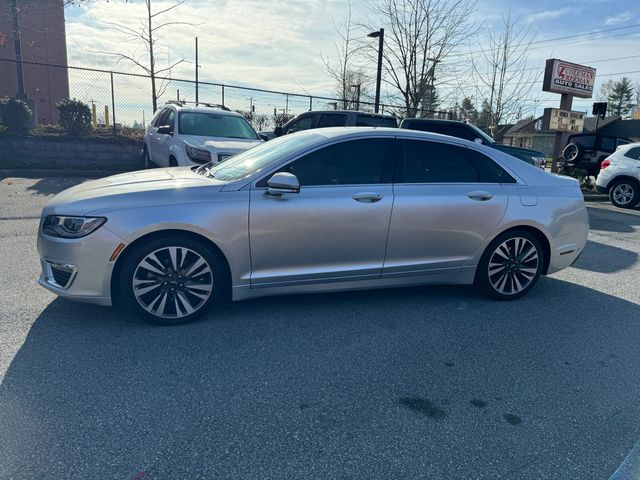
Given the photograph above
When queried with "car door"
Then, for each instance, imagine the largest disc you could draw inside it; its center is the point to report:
(164, 140)
(448, 200)
(335, 228)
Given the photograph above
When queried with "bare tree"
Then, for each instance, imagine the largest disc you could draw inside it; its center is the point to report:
(351, 82)
(605, 90)
(501, 71)
(419, 36)
(145, 36)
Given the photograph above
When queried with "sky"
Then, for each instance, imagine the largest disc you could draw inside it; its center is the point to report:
(280, 45)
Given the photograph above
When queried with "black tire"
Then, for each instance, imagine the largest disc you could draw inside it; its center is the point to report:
(571, 152)
(625, 193)
(172, 301)
(147, 160)
(520, 268)
(173, 162)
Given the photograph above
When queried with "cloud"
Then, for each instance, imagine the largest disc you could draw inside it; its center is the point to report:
(547, 15)
(620, 18)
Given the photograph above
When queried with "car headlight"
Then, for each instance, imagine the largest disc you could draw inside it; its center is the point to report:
(70, 227)
(196, 154)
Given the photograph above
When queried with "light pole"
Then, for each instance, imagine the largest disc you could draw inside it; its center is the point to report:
(380, 35)
(197, 66)
(18, 48)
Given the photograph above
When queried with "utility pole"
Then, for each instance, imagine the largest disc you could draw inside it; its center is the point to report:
(152, 59)
(18, 48)
(197, 66)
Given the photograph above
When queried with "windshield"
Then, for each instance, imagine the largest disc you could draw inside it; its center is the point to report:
(205, 124)
(485, 138)
(261, 157)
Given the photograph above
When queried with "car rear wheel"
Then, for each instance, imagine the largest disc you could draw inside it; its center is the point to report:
(511, 265)
(625, 193)
(172, 280)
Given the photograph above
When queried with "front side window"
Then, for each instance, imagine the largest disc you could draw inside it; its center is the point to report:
(171, 117)
(332, 120)
(205, 124)
(434, 162)
(302, 124)
(375, 121)
(160, 119)
(355, 162)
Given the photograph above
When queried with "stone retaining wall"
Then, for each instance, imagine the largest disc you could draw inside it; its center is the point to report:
(70, 153)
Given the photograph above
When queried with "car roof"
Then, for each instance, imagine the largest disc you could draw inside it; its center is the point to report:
(434, 120)
(339, 132)
(203, 109)
(355, 112)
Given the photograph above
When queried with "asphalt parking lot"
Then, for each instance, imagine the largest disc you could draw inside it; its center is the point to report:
(406, 383)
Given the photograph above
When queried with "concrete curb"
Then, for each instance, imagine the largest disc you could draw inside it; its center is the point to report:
(38, 173)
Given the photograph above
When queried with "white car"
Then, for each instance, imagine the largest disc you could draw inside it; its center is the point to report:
(186, 136)
(619, 176)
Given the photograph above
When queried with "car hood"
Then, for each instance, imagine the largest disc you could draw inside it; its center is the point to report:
(517, 150)
(132, 190)
(221, 144)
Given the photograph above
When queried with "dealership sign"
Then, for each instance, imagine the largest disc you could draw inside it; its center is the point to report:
(563, 120)
(569, 78)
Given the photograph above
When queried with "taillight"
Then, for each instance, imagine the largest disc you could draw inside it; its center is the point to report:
(605, 164)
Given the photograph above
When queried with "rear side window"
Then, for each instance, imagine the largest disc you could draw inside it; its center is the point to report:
(608, 144)
(633, 153)
(434, 162)
(374, 121)
(332, 120)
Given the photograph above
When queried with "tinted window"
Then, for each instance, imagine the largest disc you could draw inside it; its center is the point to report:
(171, 116)
(434, 162)
(302, 124)
(488, 170)
(332, 120)
(608, 144)
(633, 153)
(373, 121)
(160, 121)
(346, 163)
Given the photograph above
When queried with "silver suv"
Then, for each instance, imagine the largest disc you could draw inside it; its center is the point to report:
(182, 136)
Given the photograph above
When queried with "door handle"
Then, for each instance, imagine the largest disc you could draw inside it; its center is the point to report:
(480, 196)
(367, 197)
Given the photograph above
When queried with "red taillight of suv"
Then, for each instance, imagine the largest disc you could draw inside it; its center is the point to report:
(605, 164)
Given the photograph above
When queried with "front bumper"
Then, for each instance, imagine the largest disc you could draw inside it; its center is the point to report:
(78, 269)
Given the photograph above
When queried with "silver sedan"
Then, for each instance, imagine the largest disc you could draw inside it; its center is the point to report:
(320, 210)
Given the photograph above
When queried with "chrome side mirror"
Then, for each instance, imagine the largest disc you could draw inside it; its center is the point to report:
(282, 182)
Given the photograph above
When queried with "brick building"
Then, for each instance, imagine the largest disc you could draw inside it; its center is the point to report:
(43, 40)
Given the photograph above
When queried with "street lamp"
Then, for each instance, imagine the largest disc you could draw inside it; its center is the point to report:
(380, 36)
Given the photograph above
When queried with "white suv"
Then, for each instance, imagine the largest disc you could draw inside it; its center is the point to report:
(180, 135)
(620, 176)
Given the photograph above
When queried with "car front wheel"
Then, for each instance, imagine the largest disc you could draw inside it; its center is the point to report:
(511, 265)
(171, 280)
(625, 193)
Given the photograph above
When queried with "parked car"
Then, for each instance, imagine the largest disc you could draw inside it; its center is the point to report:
(619, 176)
(182, 136)
(588, 150)
(312, 212)
(333, 118)
(470, 132)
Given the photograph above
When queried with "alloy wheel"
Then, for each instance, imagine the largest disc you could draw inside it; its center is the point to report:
(513, 266)
(172, 282)
(623, 193)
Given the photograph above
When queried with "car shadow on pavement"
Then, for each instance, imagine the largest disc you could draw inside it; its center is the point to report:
(54, 185)
(383, 384)
(602, 258)
(612, 220)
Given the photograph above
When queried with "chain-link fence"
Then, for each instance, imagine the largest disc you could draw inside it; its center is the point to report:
(128, 98)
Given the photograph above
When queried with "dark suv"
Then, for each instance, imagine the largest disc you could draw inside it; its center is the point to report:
(468, 131)
(333, 118)
(588, 150)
